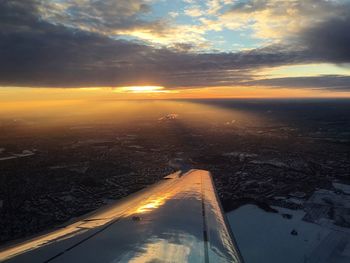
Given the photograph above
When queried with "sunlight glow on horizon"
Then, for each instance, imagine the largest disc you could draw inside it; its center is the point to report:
(18, 97)
(141, 89)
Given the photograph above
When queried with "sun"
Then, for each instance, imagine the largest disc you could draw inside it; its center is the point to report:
(141, 89)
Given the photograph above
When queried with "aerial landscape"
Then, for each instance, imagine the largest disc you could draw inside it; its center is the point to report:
(101, 100)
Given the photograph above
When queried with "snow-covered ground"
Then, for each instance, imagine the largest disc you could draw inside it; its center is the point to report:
(266, 237)
(24, 153)
(343, 187)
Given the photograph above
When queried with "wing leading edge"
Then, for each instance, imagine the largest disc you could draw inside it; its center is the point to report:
(176, 220)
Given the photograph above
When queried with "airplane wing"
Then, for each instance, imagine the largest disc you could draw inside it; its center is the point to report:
(176, 220)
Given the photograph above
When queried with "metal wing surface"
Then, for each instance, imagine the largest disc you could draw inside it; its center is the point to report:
(176, 220)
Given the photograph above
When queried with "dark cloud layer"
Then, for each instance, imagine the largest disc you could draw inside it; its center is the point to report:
(35, 52)
(104, 16)
(330, 82)
(329, 40)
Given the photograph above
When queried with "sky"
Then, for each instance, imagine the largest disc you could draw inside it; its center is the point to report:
(177, 48)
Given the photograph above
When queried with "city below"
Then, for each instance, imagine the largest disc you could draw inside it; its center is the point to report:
(53, 172)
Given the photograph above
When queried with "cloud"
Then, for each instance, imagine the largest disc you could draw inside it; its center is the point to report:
(194, 11)
(329, 82)
(35, 52)
(98, 15)
(49, 50)
(330, 39)
(278, 21)
(250, 6)
(119, 18)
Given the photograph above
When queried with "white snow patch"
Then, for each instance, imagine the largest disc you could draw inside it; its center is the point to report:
(24, 153)
(343, 187)
(7, 158)
(240, 155)
(168, 117)
(266, 237)
(271, 162)
(329, 198)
